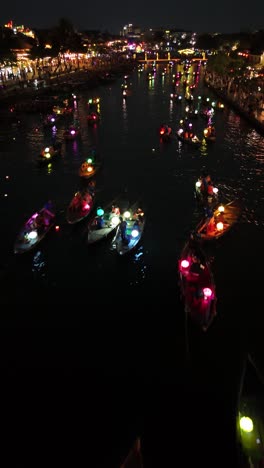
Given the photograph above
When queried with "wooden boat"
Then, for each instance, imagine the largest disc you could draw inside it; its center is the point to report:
(81, 205)
(50, 120)
(71, 133)
(88, 169)
(103, 223)
(182, 136)
(197, 284)
(34, 229)
(203, 198)
(165, 133)
(129, 231)
(93, 118)
(223, 218)
(250, 414)
(209, 133)
(49, 153)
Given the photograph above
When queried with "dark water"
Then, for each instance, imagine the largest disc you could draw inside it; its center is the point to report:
(98, 346)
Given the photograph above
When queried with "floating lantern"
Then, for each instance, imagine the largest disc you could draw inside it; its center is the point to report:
(220, 226)
(246, 424)
(185, 264)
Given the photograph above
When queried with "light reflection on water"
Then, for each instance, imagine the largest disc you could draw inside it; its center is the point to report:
(39, 264)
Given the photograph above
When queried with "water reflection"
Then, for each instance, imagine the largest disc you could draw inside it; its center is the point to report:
(39, 265)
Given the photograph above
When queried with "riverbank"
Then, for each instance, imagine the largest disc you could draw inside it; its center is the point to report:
(20, 92)
(254, 117)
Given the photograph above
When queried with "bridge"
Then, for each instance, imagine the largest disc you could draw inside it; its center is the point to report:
(158, 59)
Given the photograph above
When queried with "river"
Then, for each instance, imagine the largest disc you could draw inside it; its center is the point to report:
(115, 327)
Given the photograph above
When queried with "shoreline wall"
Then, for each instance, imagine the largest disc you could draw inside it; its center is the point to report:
(251, 119)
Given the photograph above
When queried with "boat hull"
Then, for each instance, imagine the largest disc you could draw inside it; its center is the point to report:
(80, 206)
(122, 246)
(220, 223)
(33, 231)
(197, 285)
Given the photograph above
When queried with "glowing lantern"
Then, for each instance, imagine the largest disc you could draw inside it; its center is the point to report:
(32, 235)
(205, 131)
(221, 208)
(220, 226)
(115, 220)
(185, 264)
(72, 132)
(134, 233)
(246, 424)
(127, 214)
(47, 150)
(89, 160)
(100, 211)
(57, 228)
(86, 206)
(198, 184)
(90, 169)
(207, 292)
(215, 190)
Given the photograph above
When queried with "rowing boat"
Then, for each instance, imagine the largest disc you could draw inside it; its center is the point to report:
(35, 229)
(221, 221)
(81, 205)
(129, 231)
(197, 284)
(103, 223)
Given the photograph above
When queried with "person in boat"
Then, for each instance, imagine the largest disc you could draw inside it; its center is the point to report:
(204, 186)
(210, 228)
(115, 210)
(210, 189)
(212, 131)
(49, 208)
(100, 222)
(123, 226)
(196, 267)
(41, 220)
(138, 215)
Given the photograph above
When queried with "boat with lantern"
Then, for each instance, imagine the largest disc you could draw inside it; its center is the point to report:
(202, 196)
(250, 414)
(93, 118)
(71, 133)
(103, 223)
(197, 284)
(223, 218)
(129, 231)
(49, 153)
(165, 132)
(209, 133)
(188, 137)
(81, 204)
(88, 168)
(35, 229)
(51, 120)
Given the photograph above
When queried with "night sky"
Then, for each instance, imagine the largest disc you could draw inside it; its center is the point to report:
(201, 16)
